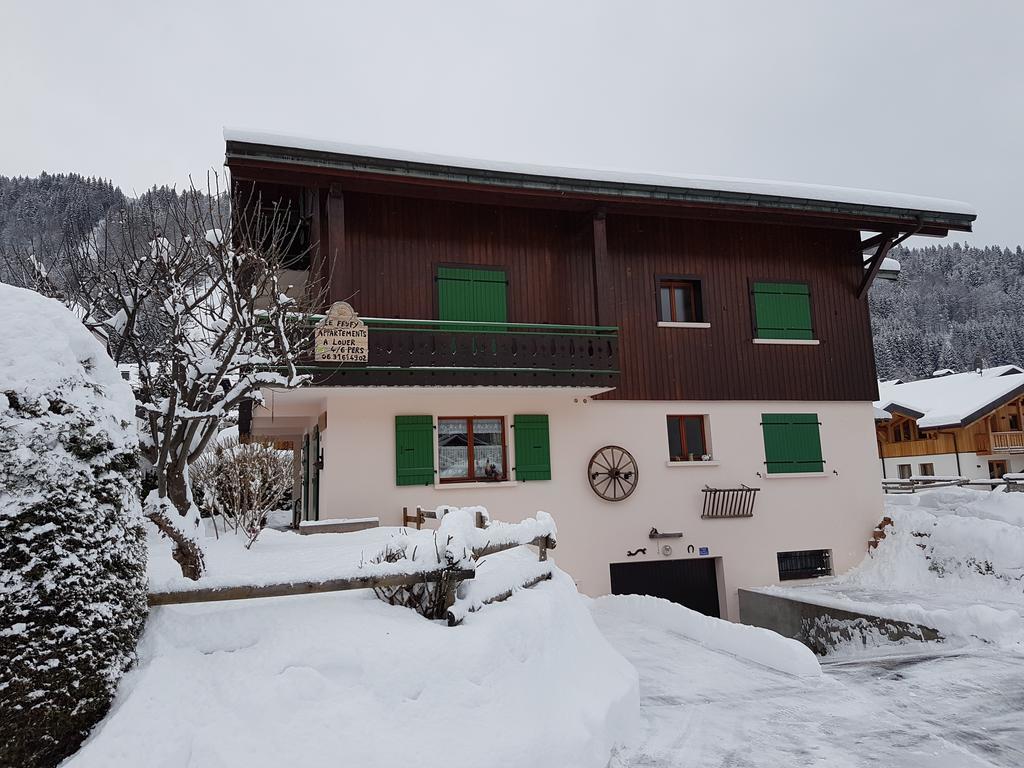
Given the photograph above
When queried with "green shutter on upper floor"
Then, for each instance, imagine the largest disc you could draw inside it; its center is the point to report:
(783, 311)
(792, 443)
(467, 294)
(533, 447)
(414, 450)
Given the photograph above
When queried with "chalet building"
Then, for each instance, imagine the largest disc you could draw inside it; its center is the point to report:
(680, 370)
(952, 424)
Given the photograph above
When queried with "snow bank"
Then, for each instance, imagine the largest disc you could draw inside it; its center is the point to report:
(755, 644)
(953, 560)
(497, 575)
(345, 679)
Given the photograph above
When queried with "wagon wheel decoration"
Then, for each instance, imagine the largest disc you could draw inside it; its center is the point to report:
(613, 473)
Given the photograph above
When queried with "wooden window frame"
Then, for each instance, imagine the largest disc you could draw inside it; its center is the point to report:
(696, 287)
(470, 456)
(682, 433)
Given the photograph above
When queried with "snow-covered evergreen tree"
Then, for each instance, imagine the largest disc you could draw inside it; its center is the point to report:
(73, 578)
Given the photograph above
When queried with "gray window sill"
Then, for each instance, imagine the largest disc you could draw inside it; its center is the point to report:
(784, 475)
(692, 463)
(480, 484)
(667, 324)
(793, 342)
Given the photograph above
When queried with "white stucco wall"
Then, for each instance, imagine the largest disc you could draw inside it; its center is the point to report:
(835, 510)
(972, 465)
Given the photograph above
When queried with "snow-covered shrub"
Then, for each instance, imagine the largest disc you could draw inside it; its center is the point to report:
(72, 558)
(242, 483)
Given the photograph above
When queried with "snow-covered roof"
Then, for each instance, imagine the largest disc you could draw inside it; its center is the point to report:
(953, 400)
(951, 213)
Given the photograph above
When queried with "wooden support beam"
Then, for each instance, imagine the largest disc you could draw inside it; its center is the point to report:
(340, 265)
(603, 310)
(874, 265)
(886, 242)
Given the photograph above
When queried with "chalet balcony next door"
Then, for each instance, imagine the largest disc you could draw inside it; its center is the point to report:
(468, 293)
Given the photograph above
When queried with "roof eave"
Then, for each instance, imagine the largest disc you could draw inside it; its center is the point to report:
(240, 152)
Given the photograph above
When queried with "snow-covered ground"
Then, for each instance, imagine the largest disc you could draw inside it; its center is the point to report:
(549, 678)
(953, 560)
(703, 707)
(344, 679)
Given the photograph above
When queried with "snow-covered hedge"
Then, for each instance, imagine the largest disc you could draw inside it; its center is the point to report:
(72, 581)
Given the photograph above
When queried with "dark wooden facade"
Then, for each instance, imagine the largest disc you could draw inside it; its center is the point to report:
(381, 243)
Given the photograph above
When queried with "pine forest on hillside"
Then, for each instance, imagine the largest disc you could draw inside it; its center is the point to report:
(953, 306)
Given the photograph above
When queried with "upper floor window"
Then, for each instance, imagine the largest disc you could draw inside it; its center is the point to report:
(783, 311)
(471, 448)
(679, 300)
(687, 440)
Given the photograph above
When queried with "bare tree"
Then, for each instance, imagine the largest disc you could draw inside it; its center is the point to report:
(186, 289)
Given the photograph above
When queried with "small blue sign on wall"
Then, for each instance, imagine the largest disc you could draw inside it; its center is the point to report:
(703, 550)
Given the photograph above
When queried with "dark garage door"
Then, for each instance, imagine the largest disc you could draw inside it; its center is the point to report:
(688, 582)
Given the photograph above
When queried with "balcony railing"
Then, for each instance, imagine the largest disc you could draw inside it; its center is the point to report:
(1008, 442)
(448, 352)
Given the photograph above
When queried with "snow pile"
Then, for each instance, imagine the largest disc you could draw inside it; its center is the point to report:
(755, 644)
(953, 560)
(344, 679)
(497, 576)
(72, 583)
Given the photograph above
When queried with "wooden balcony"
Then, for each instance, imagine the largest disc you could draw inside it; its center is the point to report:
(1008, 442)
(451, 353)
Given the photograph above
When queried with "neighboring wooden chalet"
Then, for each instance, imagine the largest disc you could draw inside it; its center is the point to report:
(964, 424)
(680, 370)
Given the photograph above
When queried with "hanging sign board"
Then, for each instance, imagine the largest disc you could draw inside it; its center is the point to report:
(341, 337)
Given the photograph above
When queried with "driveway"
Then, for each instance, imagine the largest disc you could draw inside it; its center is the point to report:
(936, 708)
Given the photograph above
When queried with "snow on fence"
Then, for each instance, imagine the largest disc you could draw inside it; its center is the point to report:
(447, 573)
(1010, 482)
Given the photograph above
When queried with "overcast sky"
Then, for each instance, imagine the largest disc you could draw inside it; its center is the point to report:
(918, 96)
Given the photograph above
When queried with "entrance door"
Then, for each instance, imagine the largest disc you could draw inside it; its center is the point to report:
(693, 583)
(468, 293)
(996, 469)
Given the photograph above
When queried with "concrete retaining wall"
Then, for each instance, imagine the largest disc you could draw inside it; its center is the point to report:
(822, 628)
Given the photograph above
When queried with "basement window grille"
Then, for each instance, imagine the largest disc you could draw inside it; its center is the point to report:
(729, 502)
(805, 564)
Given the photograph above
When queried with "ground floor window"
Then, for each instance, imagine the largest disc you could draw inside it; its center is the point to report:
(804, 564)
(927, 470)
(904, 471)
(687, 438)
(471, 448)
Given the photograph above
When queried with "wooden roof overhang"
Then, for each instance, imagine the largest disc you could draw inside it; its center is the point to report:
(308, 167)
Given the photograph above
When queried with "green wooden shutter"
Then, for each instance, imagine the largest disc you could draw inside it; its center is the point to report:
(414, 450)
(465, 293)
(792, 443)
(533, 447)
(783, 311)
